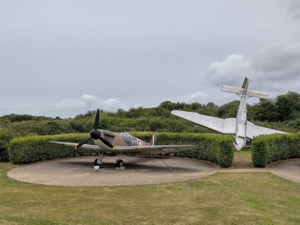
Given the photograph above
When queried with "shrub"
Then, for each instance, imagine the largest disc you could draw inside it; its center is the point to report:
(275, 147)
(38, 148)
(5, 137)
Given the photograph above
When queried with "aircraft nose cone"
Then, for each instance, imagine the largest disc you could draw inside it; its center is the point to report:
(239, 144)
(238, 147)
(95, 134)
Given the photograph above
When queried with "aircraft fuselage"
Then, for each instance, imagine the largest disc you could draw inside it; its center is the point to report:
(118, 139)
(241, 125)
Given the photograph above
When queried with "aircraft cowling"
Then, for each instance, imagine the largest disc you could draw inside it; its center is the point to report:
(95, 134)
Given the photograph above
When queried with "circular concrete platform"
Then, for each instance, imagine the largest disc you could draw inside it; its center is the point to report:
(78, 171)
(288, 169)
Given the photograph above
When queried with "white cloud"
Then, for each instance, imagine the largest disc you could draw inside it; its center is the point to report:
(70, 104)
(196, 97)
(87, 97)
(229, 71)
(89, 102)
(113, 104)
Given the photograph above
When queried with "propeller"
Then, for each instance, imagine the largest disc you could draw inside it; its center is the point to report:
(95, 134)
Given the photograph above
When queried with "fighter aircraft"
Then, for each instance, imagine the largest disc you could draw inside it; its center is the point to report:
(242, 129)
(122, 143)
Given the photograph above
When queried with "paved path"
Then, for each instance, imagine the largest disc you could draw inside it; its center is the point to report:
(244, 170)
(288, 169)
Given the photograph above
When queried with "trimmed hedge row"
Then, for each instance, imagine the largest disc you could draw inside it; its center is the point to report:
(275, 147)
(215, 148)
(38, 148)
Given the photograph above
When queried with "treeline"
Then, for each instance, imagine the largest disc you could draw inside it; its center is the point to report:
(280, 113)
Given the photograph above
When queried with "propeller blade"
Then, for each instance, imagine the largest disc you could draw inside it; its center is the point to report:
(96, 134)
(106, 142)
(83, 142)
(97, 118)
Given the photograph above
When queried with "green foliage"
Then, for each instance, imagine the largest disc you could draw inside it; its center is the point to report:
(215, 148)
(5, 137)
(281, 113)
(259, 152)
(266, 110)
(212, 147)
(288, 105)
(270, 148)
(228, 110)
(38, 148)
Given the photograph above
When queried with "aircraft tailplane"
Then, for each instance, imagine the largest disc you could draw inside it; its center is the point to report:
(241, 91)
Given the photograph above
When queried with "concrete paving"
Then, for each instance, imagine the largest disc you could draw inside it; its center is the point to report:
(78, 171)
(288, 169)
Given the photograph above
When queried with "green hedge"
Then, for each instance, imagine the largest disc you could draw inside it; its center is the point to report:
(38, 148)
(211, 147)
(5, 137)
(275, 147)
(216, 148)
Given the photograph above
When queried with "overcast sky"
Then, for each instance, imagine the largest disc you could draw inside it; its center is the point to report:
(64, 57)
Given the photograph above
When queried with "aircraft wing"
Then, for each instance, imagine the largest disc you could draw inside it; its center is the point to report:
(71, 144)
(147, 149)
(225, 126)
(254, 130)
(152, 149)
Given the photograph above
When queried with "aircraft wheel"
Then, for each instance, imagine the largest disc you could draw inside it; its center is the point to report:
(96, 163)
(119, 163)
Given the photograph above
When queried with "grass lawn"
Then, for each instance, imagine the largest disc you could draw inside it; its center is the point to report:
(223, 198)
(242, 159)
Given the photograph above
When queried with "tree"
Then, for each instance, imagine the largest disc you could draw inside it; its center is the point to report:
(265, 110)
(288, 106)
(228, 110)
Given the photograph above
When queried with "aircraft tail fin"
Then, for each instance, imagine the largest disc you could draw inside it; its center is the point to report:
(244, 90)
(153, 140)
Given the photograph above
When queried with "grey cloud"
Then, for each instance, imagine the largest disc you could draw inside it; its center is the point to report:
(278, 62)
(136, 53)
(293, 7)
(275, 68)
(229, 71)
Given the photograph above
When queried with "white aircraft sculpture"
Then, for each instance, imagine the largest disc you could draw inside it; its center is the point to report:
(242, 129)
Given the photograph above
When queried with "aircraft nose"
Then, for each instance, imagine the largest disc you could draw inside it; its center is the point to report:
(238, 147)
(238, 144)
(95, 134)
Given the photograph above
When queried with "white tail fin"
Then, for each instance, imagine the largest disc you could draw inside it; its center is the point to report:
(244, 90)
(153, 140)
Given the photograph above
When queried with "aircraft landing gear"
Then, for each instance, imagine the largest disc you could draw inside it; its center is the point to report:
(119, 164)
(96, 165)
(98, 162)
